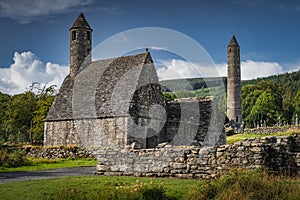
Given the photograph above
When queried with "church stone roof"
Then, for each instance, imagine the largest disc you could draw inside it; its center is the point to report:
(80, 22)
(233, 42)
(90, 94)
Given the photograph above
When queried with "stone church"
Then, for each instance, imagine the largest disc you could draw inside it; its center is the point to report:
(118, 102)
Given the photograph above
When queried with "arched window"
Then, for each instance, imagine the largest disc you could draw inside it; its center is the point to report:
(73, 35)
(88, 35)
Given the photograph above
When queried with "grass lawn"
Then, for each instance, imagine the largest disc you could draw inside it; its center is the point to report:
(86, 187)
(238, 184)
(36, 164)
(239, 137)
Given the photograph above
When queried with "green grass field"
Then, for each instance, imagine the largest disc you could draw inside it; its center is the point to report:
(85, 187)
(238, 184)
(36, 164)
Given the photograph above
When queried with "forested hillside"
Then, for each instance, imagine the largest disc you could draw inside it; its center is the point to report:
(286, 80)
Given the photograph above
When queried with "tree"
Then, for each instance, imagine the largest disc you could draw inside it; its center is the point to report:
(249, 96)
(296, 105)
(45, 98)
(23, 118)
(19, 114)
(4, 99)
(265, 110)
(287, 106)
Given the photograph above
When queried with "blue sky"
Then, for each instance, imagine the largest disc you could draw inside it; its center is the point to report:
(34, 37)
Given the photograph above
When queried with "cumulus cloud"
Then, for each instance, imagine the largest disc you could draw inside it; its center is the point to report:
(28, 68)
(176, 69)
(253, 69)
(30, 10)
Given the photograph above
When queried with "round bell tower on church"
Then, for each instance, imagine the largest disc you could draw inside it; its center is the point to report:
(80, 44)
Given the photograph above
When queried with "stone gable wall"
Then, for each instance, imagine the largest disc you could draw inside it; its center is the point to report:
(281, 154)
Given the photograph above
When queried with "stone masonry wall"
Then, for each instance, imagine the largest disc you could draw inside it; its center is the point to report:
(281, 154)
(271, 130)
(190, 121)
(87, 132)
(57, 152)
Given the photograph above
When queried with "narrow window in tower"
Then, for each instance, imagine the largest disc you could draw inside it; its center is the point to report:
(229, 49)
(73, 35)
(88, 35)
(237, 118)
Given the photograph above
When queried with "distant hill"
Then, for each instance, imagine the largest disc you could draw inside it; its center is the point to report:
(191, 84)
(286, 80)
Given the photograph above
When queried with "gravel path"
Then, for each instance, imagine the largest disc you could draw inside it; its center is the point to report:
(54, 173)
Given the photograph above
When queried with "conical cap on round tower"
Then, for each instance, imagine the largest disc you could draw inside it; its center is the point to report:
(233, 42)
(81, 22)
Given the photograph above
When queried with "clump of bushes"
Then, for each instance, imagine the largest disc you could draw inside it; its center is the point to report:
(244, 184)
(10, 157)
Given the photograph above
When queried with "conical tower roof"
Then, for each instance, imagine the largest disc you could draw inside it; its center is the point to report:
(233, 42)
(81, 22)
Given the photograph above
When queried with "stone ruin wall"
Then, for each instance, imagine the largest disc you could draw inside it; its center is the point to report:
(272, 130)
(281, 154)
(118, 132)
(182, 123)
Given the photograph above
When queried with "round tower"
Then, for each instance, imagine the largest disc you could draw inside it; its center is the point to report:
(80, 44)
(234, 93)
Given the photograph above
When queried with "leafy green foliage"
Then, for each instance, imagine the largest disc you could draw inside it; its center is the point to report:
(265, 110)
(269, 103)
(284, 87)
(19, 117)
(45, 98)
(296, 104)
(4, 99)
(12, 158)
(22, 115)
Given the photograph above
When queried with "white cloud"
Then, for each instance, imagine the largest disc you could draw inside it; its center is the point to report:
(28, 68)
(253, 69)
(176, 69)
(29, 10)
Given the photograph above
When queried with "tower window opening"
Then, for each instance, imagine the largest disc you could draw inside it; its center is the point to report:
(73, 35)
(237, 118)
(229, 49)
(88, 35)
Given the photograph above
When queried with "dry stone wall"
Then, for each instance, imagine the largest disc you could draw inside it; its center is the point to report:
(271, 130)
(57, 152)
(281, 154)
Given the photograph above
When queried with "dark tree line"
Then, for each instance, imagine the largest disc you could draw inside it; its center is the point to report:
(22, 115)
